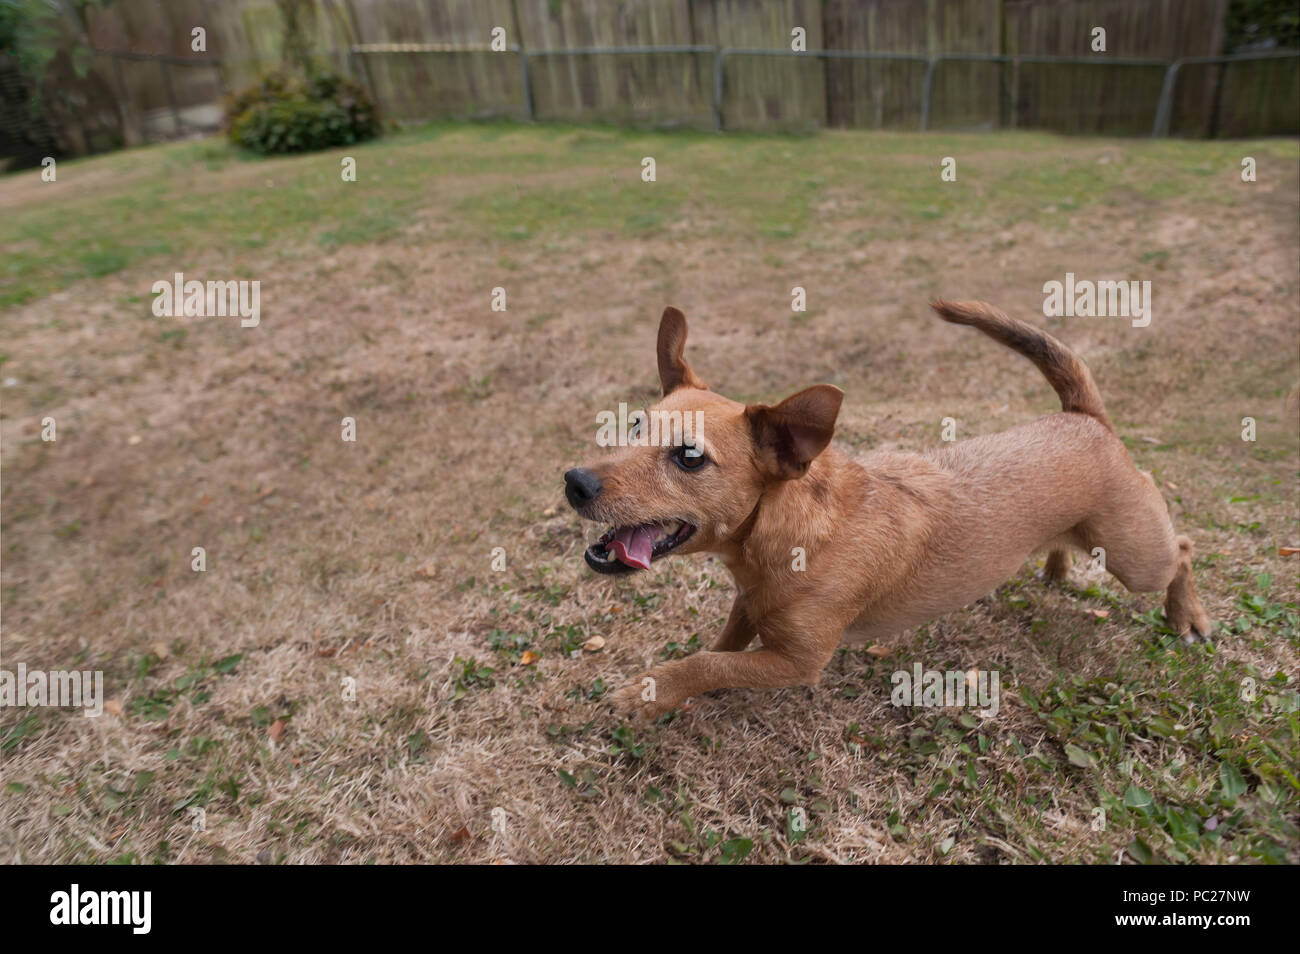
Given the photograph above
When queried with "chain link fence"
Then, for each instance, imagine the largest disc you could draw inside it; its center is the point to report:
(708, 87)
(904, 89)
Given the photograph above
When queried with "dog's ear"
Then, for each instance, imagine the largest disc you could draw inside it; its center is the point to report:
(787, 436)
(674, 372)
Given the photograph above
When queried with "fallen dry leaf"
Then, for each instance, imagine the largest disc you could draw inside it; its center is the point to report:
(1100, 614)
(429, 570)
(595, 644)
(134, 439)
(1288, 551)
(879, 652)
(276, 731)
(529, 657)
(113, 707)
(461, 834)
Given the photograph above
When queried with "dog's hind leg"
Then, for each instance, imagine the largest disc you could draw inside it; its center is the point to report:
(1142, 551)
(1183, 608)
(1057, 566)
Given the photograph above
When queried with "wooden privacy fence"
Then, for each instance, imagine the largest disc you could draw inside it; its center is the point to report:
(870, 64)
(1152, 98)
(1253, 94)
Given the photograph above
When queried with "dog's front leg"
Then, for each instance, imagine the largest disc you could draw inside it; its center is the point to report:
(786, 662)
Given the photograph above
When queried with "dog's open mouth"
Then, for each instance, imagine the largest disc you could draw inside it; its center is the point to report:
(623, 549)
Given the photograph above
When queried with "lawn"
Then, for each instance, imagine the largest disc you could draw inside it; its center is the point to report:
(389, 655)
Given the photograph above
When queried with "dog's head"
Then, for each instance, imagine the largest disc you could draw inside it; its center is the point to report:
(697, 464)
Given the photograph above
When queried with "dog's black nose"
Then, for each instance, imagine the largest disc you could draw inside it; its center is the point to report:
(580, 487)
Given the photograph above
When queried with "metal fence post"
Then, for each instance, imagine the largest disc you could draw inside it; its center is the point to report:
(1165, 110)
(528, 84)
(927, 90)
(1015, 91)
(131, 117)
(220, 67)
(1165, 107)
(719, 54)
(171, 93)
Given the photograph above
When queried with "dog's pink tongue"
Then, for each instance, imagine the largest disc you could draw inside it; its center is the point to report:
(632, 545)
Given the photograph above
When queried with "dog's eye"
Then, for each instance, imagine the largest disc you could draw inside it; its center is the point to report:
(689, 458)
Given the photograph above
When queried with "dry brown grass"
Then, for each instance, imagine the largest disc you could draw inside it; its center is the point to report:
(372, 561)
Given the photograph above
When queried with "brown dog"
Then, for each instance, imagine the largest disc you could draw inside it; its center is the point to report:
(824, 548)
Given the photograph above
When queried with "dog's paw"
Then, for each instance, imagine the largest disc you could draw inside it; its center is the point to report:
(1189, 620)
(1199, 631)
(638, 703)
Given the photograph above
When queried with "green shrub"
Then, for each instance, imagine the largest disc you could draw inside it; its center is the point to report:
(284, 114)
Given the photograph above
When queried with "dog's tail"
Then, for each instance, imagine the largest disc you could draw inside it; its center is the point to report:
(1064, 370)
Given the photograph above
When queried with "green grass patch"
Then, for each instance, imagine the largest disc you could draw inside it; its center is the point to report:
(172, 203)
